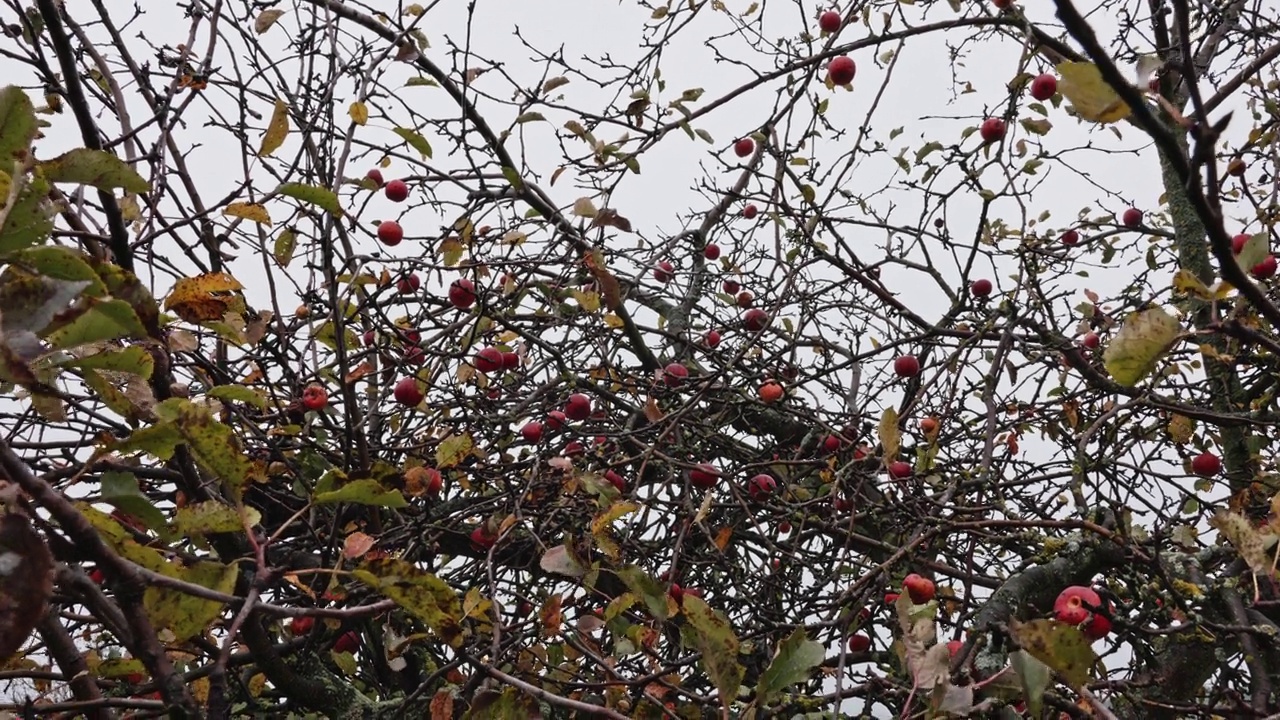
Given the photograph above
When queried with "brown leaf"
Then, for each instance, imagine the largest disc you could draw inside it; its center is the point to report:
(610, 288)
(651, 410)
(442, 706)
(356, 545)
(26, 581)
(722, 537)
(358, 372)
(551, 616)
(610, 217)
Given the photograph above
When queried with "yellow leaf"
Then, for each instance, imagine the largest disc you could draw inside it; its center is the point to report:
(1141, 342)
(277, 129)
(1237, 529)
(890, 438)
(248, 211)
(588, 301)
(1091, 97)
(451, 251)
(583, 207)
(265, 20)
(359, 113)
(613, 321)
(452, 450)
(203, 298)
(1185, 282)
(1181, 428)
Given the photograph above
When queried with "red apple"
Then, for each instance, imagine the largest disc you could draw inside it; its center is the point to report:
(745, 299)
(954, 646)
(97, 576)
(462, 293)
(616, 480)
(992, 130)
(829, 21)
(407, 392)
(784, 527)
(711, 252)
(750, 211)
(755, 319)
(488, 360)
(349, 642)
(859, 643)
(1238, 242)
(704, 475)
(408, 284)
(980, 288)
(397, 191)
(414, 355)
(712, 338)
(744, 147)
(1236, 167)
(573, 448)
(664, 272)
(370, 338)
(921, 589)
(1044, 87)
(1002, 4)
(1070, 237)
(1132, 218)
(376, 176)
(906, 366)
(1206, 464)
(831, 443)
(900, 469)
(890, 598)
(556, 419)
(510, 361)
(481, 539)
(731, 287)
(1075, 606)
(841, 70)
(761, 486)
(300, 626)
(314, 397)
(674, 374)
(1091, 341)
(435, 481)
(390, 232)
(578, 407)
(1265, 269)
(532, 431)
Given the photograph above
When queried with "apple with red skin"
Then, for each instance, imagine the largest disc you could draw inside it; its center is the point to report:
(415, 355)
(664, 272)
(744, 147)
(435, 482)
(349, 642)
(704, 475)
(1002, 4)
(841, 70)
(300, 626)
(980, 288)
(97, 576)
(1236, 167)
(900, 469)
(462, 293)
(482, 539)
(390, 233)
(1264, 269)
(396, 191)
(376, 176)
(574, 448)
(890, 598)
(1131, 218)
(992, 130)
(784, 527)
(730, 287)
(488, 360)
(370, 338)
(745, 299)
(1070, 238)
(1075, 606)
(314, 397)
(674, 374)
(829, 21)
(407, 392)
(843, 504)
(410, 337)
(510, 361)
(859, 643)
(1044, 87)
(1091, 341)
(408, 284)
(831, 443)
(750, 211)
(1238, 242)
(1206, 464)
(906, 366)
(761, 486)
(556, 419)
(919, 588)
(712, 338)
(755, 319)
(711, 252)
(954, 646)
(578, 407)
(616, 479)
(532, 431)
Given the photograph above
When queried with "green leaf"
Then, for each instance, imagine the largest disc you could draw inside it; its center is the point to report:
(284, 246)
(158, 440)
(98, 168)
(109, 320)
(212, 516)
(111, 395)
(416, 141)
(1143, 339)
(453, 449)
(1255, 250)
(649, 590)
(238, 393)
(530, 116)
(120, 490)
(187, 615)
(324, 198)
(1035, 677)
(133, 359)
(420, 593)
(30, 302)
(61, 263)
(30, 220)
(1060, 646)
(214, 445)
(362, 492)
(17, 126)
(792, 663)
(709, 632)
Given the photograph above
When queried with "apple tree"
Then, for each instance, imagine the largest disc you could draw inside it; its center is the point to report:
(659, 360)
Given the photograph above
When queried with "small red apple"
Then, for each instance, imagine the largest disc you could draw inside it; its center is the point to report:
(731, 287)
(1236, 167)
(841, 70)
(711, 252)
(482, 539)
(300, 626)
(370, 338)
(704, 475)
(745, 299)
(1044, 87)
(890, 598)
(488, 360)
(616, 480)
(97, 576)
(980, 288)
(349, 642)
(906, 366)
(556, 419)
(831, 443)
(674, 374)
(992, 130)
(414, 355)
(376, 176)
(712, 338)
(900, 469)
(954, 646)
(761, 486)
(578, 407)
(921, 589)
(1070, 237)
(397, 191)
(510, 361)
(1091, 341)
(1076, 605)
(1132, 218)
(435, 482)
(532, 431)
(574, 448)
(1238, 242)
(859, 643)
(408, 284)
(1265, 269)
(407, 392)
(1206, 464)
(755, 319)
(843, 504)
(1002, 4)
(390, 233)
(829, 21)
(750, 211)
(784, 527)
(664, 272)
(744, 147)
(462, 293)
(314, 397)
